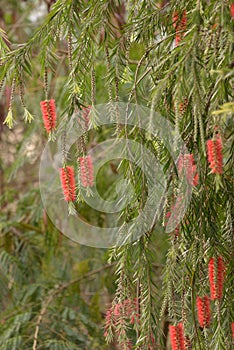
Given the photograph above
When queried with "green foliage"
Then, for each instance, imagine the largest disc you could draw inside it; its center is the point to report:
(54, 292)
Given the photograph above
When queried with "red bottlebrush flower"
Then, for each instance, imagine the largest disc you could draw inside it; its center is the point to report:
(232, 11)
(203, 309)
(210, 146)
(207, 311)
(211, 268)
(179, 23)
(216, 279)
(220, 277)
(86, 171)
(177, 337)
(48, 110)
(68, 183)
(214, 154)
(219, 155)
(181, 338)
(186, 162)
(173, 337)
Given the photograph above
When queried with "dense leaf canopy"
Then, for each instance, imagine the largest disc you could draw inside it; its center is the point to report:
(175, 58)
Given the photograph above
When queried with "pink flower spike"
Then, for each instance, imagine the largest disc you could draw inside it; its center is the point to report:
(86, 171)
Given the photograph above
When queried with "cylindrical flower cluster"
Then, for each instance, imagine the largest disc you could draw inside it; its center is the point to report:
(86, 171)
(216, 277)
(179, 23)
(48, 110)
(203, 309)
(177, 337)
(214, 154)
(68, 183)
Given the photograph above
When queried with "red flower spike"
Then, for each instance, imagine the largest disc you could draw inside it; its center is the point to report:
(180, 333)
(200, 311)
(177, 337)
(48, 110)
(211, 269)
(220, 277)
(179, 23)
(216, 284)
(210, 153)
(207, 311)
(203, 309)
(67, 178)
(214, 154)
(219, 155)
(173, 338)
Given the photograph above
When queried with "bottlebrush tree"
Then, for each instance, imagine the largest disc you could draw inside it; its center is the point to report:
(173, 290)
